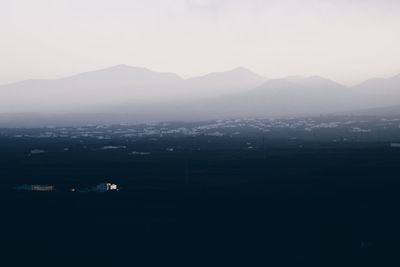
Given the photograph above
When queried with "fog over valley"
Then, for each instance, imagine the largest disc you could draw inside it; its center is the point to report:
(125, 93)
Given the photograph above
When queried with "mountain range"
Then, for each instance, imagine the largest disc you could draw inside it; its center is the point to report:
(137, 94)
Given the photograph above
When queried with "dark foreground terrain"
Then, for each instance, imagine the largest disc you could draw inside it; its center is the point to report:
(283, 197)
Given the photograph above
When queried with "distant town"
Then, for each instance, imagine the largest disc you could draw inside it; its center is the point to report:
(344, 128)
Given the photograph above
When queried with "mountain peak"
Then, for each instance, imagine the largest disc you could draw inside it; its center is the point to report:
(120, 66)
(240, 69)
(124, 67)
(235, 73)
(243, 71)
(125, 72)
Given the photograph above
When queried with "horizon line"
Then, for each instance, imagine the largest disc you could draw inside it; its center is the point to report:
(286, 77)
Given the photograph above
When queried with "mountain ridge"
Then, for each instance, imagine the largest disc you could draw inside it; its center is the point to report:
(239, 92)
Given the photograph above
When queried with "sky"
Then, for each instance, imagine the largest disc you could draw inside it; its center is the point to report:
(344, 40)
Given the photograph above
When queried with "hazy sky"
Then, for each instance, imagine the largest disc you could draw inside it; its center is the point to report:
(345, 40)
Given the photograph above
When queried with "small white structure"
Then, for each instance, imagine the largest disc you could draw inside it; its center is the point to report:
(105, 187)
(395, 145)
(37, 188)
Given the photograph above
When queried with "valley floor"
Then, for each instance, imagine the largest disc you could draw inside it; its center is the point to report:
(201, 201)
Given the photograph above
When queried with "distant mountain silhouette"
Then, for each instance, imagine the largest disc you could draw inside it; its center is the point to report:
(379, 92)
(125, 93)
(381, 85)
(222, 83)
(281, 97)
(299, 96)
(106, 86)
(117, 85)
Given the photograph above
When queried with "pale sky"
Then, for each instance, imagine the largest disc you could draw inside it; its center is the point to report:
(344, 40)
